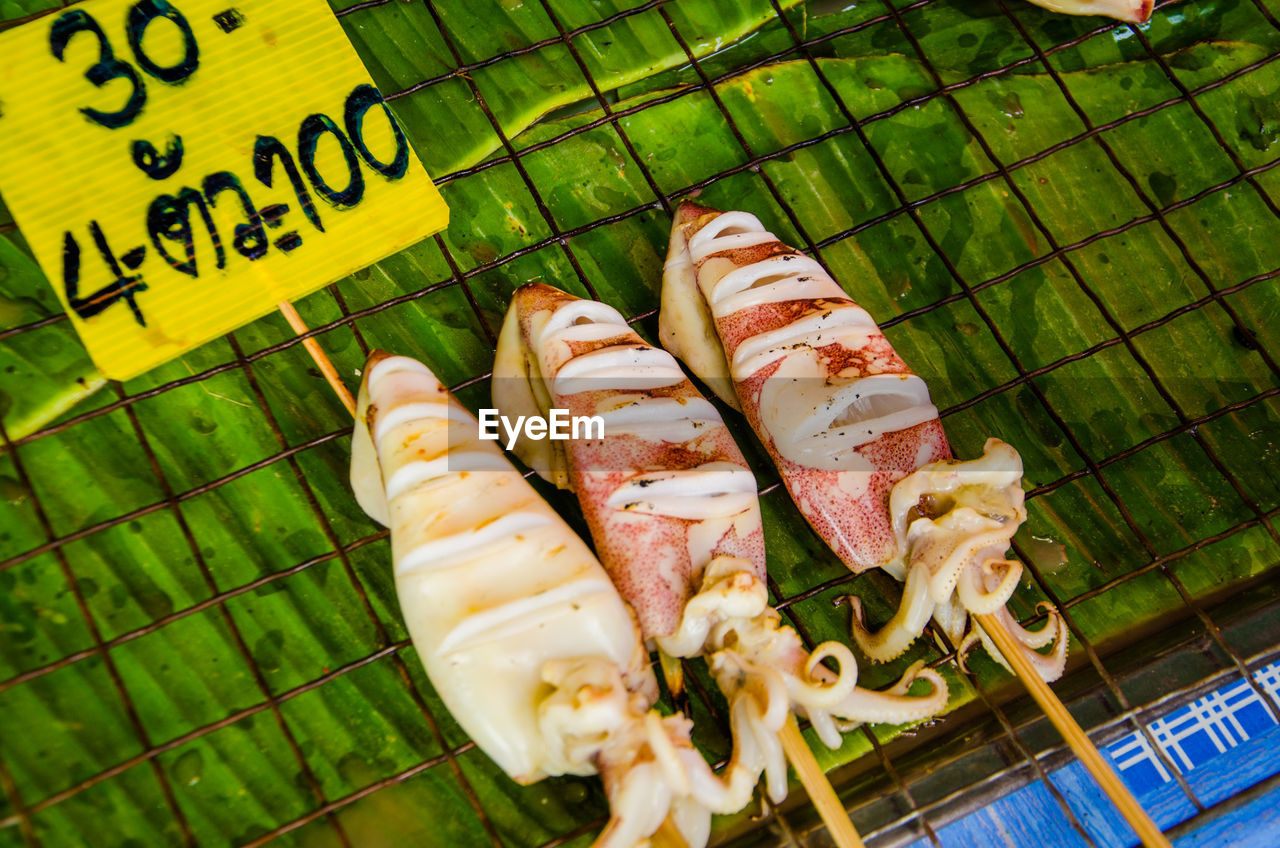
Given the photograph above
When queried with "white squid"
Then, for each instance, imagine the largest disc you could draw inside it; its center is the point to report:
(518, 626)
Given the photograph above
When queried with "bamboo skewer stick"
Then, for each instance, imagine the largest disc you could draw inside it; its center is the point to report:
(668, 836)
(672, 673)
(815, 782)
(1075, 737)
(321, 358)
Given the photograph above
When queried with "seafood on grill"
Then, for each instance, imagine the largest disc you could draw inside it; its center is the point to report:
(673, 510)
(518, 626)
(1132, 11)
(859, 445)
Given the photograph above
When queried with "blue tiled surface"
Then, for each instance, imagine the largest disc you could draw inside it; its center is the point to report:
(1222, 744)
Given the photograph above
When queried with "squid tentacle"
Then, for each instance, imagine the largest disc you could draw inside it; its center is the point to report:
(729, 620)
(590, 721)
(827, 728)
(721, 794)
(973, 540)
(953, 618)
(729, 592)
(764, 669)
(858, 705)
(892, 640)
(976, 593)
(817, 690)
(974, 509)
(758, 706)
(823, 695)
(968, 642)
(1051, 629)
(1049, 666)
(942, 584)
(638, 802)
(894, 705)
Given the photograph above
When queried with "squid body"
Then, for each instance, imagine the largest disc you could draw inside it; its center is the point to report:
(852, 430)
(1133, 11)
(673, 510)
(520, 629)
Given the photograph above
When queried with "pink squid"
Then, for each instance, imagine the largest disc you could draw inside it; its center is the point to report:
(673, 510)
(857, 441)
(1131, 11)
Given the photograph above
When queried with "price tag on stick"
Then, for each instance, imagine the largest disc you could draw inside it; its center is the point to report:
(180, 167)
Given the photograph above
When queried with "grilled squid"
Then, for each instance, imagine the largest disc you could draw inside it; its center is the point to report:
(1133, 11)
(518, 626)
(673, 510)
(852, 430)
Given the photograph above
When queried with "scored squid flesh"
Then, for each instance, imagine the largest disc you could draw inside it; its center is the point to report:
(859, 445)
(519, 628)
(1132, 11)
(674, 513)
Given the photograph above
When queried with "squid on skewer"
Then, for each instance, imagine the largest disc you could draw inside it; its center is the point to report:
(673, 510)
(852, 430)
(1132, 11)
(520, 629)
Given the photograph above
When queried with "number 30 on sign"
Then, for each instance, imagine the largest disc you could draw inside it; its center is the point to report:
(179, 167)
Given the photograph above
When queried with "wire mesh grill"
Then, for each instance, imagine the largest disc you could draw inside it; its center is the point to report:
(289, 453)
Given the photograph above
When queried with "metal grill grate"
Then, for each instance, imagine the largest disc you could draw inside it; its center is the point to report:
(914, 818)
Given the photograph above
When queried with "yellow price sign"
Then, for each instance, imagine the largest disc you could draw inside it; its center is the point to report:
(179, 167)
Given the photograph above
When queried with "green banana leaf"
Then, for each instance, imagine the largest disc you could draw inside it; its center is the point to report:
(293, 701)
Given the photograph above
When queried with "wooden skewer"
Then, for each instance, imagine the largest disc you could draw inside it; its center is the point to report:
(668, 836)
(672, 673)
(321, 358)
(1075, 737)
(815, 782)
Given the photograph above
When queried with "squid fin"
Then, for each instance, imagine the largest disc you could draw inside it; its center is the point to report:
(685, 325)
(515, 390)
(366, 471)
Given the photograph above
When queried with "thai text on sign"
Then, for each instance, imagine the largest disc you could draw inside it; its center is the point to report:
(179, 168)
